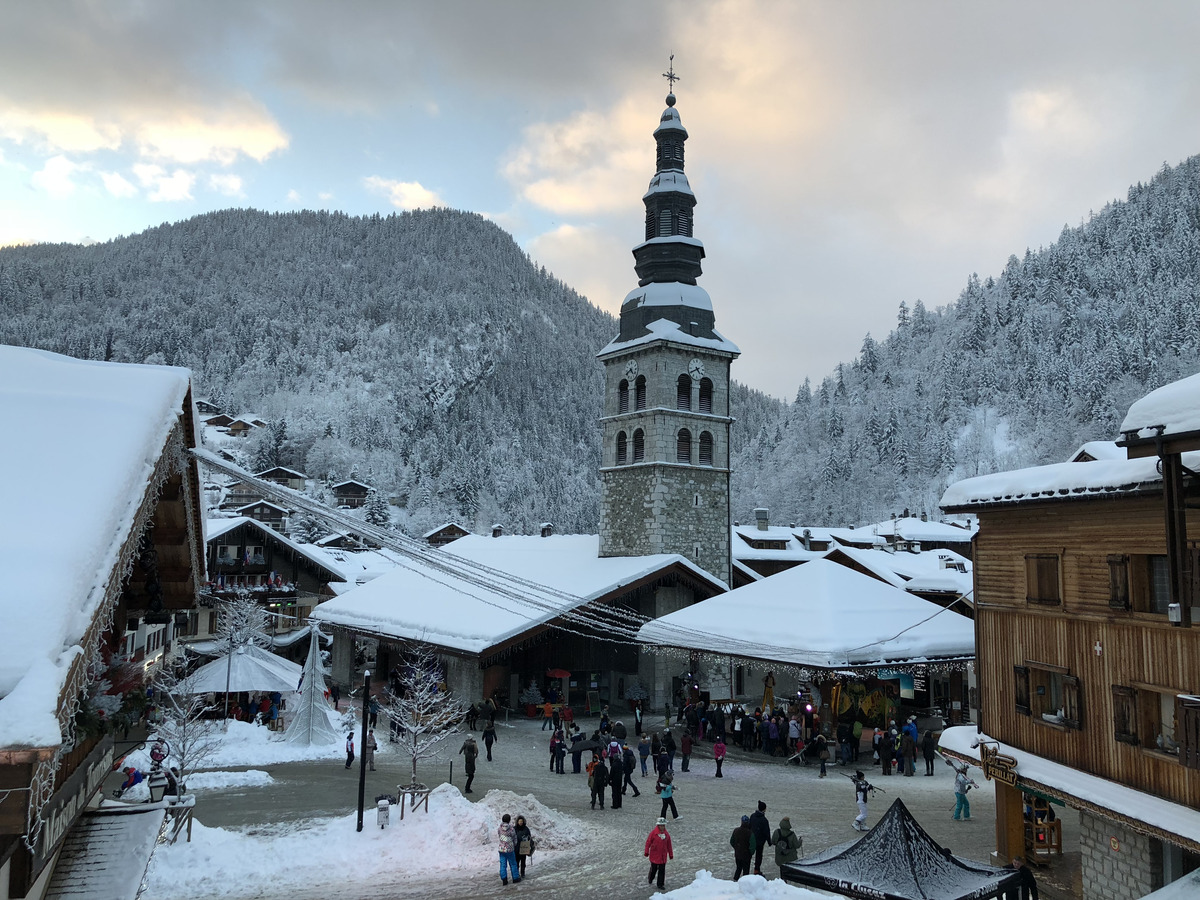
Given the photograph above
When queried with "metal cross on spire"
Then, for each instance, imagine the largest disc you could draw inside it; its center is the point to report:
(670, 74)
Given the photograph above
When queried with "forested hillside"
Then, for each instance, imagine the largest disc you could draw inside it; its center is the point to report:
(426, 354)
(1020, 370)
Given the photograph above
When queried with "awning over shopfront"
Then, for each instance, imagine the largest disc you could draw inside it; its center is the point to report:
(105, 856)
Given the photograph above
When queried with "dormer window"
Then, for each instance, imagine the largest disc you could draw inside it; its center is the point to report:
(623, 396)
(639, 392)
(683, 392)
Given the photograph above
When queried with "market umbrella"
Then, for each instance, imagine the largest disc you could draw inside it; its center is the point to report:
(248, 668)
(557, 673)
(586, 745)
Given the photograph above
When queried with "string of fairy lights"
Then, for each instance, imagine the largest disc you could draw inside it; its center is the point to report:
(560, 609)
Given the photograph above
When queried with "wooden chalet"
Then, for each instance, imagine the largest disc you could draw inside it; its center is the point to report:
(137, 516)
(241, 428)
(1087, 588)
(266, 512)
(206, 408)
(288, 478)
(239, 494)
(220, 420)
(444, 534)
(351, 494)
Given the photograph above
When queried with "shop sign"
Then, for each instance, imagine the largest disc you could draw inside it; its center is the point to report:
(997, 766)
(69, 801)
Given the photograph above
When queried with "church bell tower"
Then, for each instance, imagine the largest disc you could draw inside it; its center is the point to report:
(666, 423)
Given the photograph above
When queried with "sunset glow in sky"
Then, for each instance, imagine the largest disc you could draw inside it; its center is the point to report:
(846, 156)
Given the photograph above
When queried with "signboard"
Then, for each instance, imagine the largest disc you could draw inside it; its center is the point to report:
(996, 766)
(69, 801)
(907, 691)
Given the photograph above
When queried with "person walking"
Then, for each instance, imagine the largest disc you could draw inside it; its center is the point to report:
(685, 745)
(370, 745)
(665, 789)
(719, 751)
(929, 751)
(762, 834)
(349, 749)
(560, 754)
(472, 716)
(856, 731)
(822, 751)
(524, 842)
(862, 791)
(373, 713)
(644, 752)
(637, 717)
(470, 752)
(616, 778)
(547, 715)
(576, 753)
(877, 745)
(743, 842)
(908, 752)
(508, 850)
(658, 851)
(962, 784)
(335, 694)
(787, 843)
(629, 760)
(597, 780)
(555, 739)
(655, 750)
(669, 749)
(489, 738)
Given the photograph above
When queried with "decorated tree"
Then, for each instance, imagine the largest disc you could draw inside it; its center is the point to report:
(310, 724)
(241, 621)
(192, 738)
(424, 714)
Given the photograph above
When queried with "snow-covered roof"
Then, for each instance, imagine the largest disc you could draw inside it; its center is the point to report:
(1175, 407)
(1038, 771)
(666, 330)
(256, 503)
(420, 601)
(672, 180)
(291, 472)
(670, 120)
(849, 619)
(792, 551)
(911, 528)
(877, 562)
(1061, 481)
(350, 483)
(929, 570)
(349, 566)
(110, 421)
(1098, 450)
(432, 531)
(668, 293)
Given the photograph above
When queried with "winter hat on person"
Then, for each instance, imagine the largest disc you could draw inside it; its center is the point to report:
(662, 821)
(745, 820)
(762, 807)
(785, 822)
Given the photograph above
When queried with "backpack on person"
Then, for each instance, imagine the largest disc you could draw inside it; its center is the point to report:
(666, 776)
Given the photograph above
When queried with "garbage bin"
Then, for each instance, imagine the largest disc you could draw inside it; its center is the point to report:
(383, 811)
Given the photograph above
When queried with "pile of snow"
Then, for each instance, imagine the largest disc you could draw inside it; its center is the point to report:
(247, 744)
(204, 782)
(1174, 406)
(749, 887)
(330, 851)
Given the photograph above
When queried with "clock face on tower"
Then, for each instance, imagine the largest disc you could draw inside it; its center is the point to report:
(696, 369)
(631, 369)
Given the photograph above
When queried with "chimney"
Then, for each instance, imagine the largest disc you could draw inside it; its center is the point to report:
(762, 518)
(497, 530)
(807, 539)
(547, 529)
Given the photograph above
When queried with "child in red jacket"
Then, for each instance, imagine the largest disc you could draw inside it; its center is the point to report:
(658, 849)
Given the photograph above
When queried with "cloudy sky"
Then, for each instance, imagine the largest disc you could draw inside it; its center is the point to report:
(846, 156)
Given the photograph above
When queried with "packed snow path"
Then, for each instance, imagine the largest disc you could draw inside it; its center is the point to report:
(607, 863)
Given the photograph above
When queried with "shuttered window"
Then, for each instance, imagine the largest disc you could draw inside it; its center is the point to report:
(683, 392)
(706, 449)
(639, 392)
(1125, 714)
(706, 389)
(683, 447)
(1072, 702)
(1021, 684)
(1118, 581)
(1189, 732)
(622, 449)
(639, 446)
(1041, 578)
(623, 396)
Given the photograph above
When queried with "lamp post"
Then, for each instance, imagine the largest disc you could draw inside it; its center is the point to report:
(362, 755)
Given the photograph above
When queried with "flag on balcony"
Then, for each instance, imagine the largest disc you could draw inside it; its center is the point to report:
(220, 582)
(246, 558)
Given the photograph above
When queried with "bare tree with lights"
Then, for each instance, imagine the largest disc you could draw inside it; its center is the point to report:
(424, 715)
(191, 737)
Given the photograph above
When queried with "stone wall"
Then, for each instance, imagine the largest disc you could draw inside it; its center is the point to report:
(1128, 872)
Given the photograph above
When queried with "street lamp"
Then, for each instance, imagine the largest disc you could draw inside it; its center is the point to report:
(157, 782)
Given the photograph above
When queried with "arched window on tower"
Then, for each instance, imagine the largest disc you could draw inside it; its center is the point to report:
(683, 446)
(706, 458)
(622, 449)
(623, 396)
(639, 392)
(705, 395)
(651, 224)
(639, 446)
(664, 223)
(683, 392)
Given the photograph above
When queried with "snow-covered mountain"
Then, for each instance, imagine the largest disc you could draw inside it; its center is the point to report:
(425, 354)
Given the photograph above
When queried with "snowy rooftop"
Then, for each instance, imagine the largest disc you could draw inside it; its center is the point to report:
(1098, 450)
(668, 293)
(1060, 481)
(672, 180)
(792, 551)
(100, 429)
(929, 570)
(1126, 801)
(911, 528)
(666, 330)
(473, 612)
(1174, 406)
(849, 619)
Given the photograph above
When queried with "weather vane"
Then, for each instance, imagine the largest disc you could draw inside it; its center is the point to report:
(670, 74)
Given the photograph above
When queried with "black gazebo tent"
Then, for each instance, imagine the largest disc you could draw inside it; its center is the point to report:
(898, 860)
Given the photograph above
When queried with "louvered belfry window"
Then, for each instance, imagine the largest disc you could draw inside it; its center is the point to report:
(683, 392)
(639, 392)
(622, 449)
(623, 396)
(639, 446)
(683, 446)
(706, 388)
(706, 449)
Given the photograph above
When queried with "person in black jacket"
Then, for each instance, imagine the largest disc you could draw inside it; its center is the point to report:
(762, 834)
(669, 749)
(597, 780)
(616, 778)
(629, 762)
(742, 841)
(929, 750)
(1028, 885)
